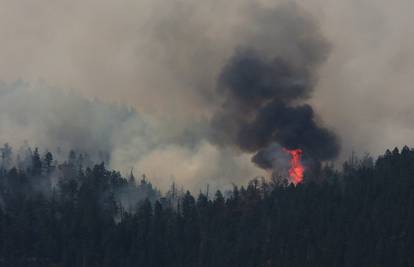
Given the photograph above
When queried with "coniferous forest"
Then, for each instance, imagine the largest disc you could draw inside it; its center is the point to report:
(71, 214)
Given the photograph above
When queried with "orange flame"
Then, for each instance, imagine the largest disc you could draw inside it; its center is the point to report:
(296, 170)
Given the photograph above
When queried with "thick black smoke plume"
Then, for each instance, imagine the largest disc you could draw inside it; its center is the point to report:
(264, 96)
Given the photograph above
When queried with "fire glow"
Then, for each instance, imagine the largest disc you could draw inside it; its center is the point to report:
(296, 170)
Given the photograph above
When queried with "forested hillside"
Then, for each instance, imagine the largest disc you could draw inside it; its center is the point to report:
(76, 213)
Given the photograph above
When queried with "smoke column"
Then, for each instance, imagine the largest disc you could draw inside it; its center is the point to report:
(264, 96)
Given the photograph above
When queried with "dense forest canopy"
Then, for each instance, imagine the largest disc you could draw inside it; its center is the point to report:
(76, 213)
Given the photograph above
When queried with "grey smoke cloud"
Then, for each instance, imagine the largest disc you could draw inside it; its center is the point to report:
(59, 121)
(164, 58)
(260, 110)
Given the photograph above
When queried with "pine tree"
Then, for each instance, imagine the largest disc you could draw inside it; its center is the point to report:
(36, 163)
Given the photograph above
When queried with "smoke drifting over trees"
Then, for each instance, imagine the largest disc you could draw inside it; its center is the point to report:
(255, 98)
(214, 85)
(264, 88)
(117, 135)
(260, 109)
(164, 58)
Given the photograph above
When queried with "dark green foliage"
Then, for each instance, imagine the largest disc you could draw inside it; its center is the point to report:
(362, 216)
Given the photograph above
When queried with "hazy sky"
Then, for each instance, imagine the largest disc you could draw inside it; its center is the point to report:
(163, 58)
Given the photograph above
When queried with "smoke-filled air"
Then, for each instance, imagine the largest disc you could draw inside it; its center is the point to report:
(218, 81)
(185, 98)
(200, 133)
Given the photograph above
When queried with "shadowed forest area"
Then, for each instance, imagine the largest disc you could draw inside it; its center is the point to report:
(76, 214)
